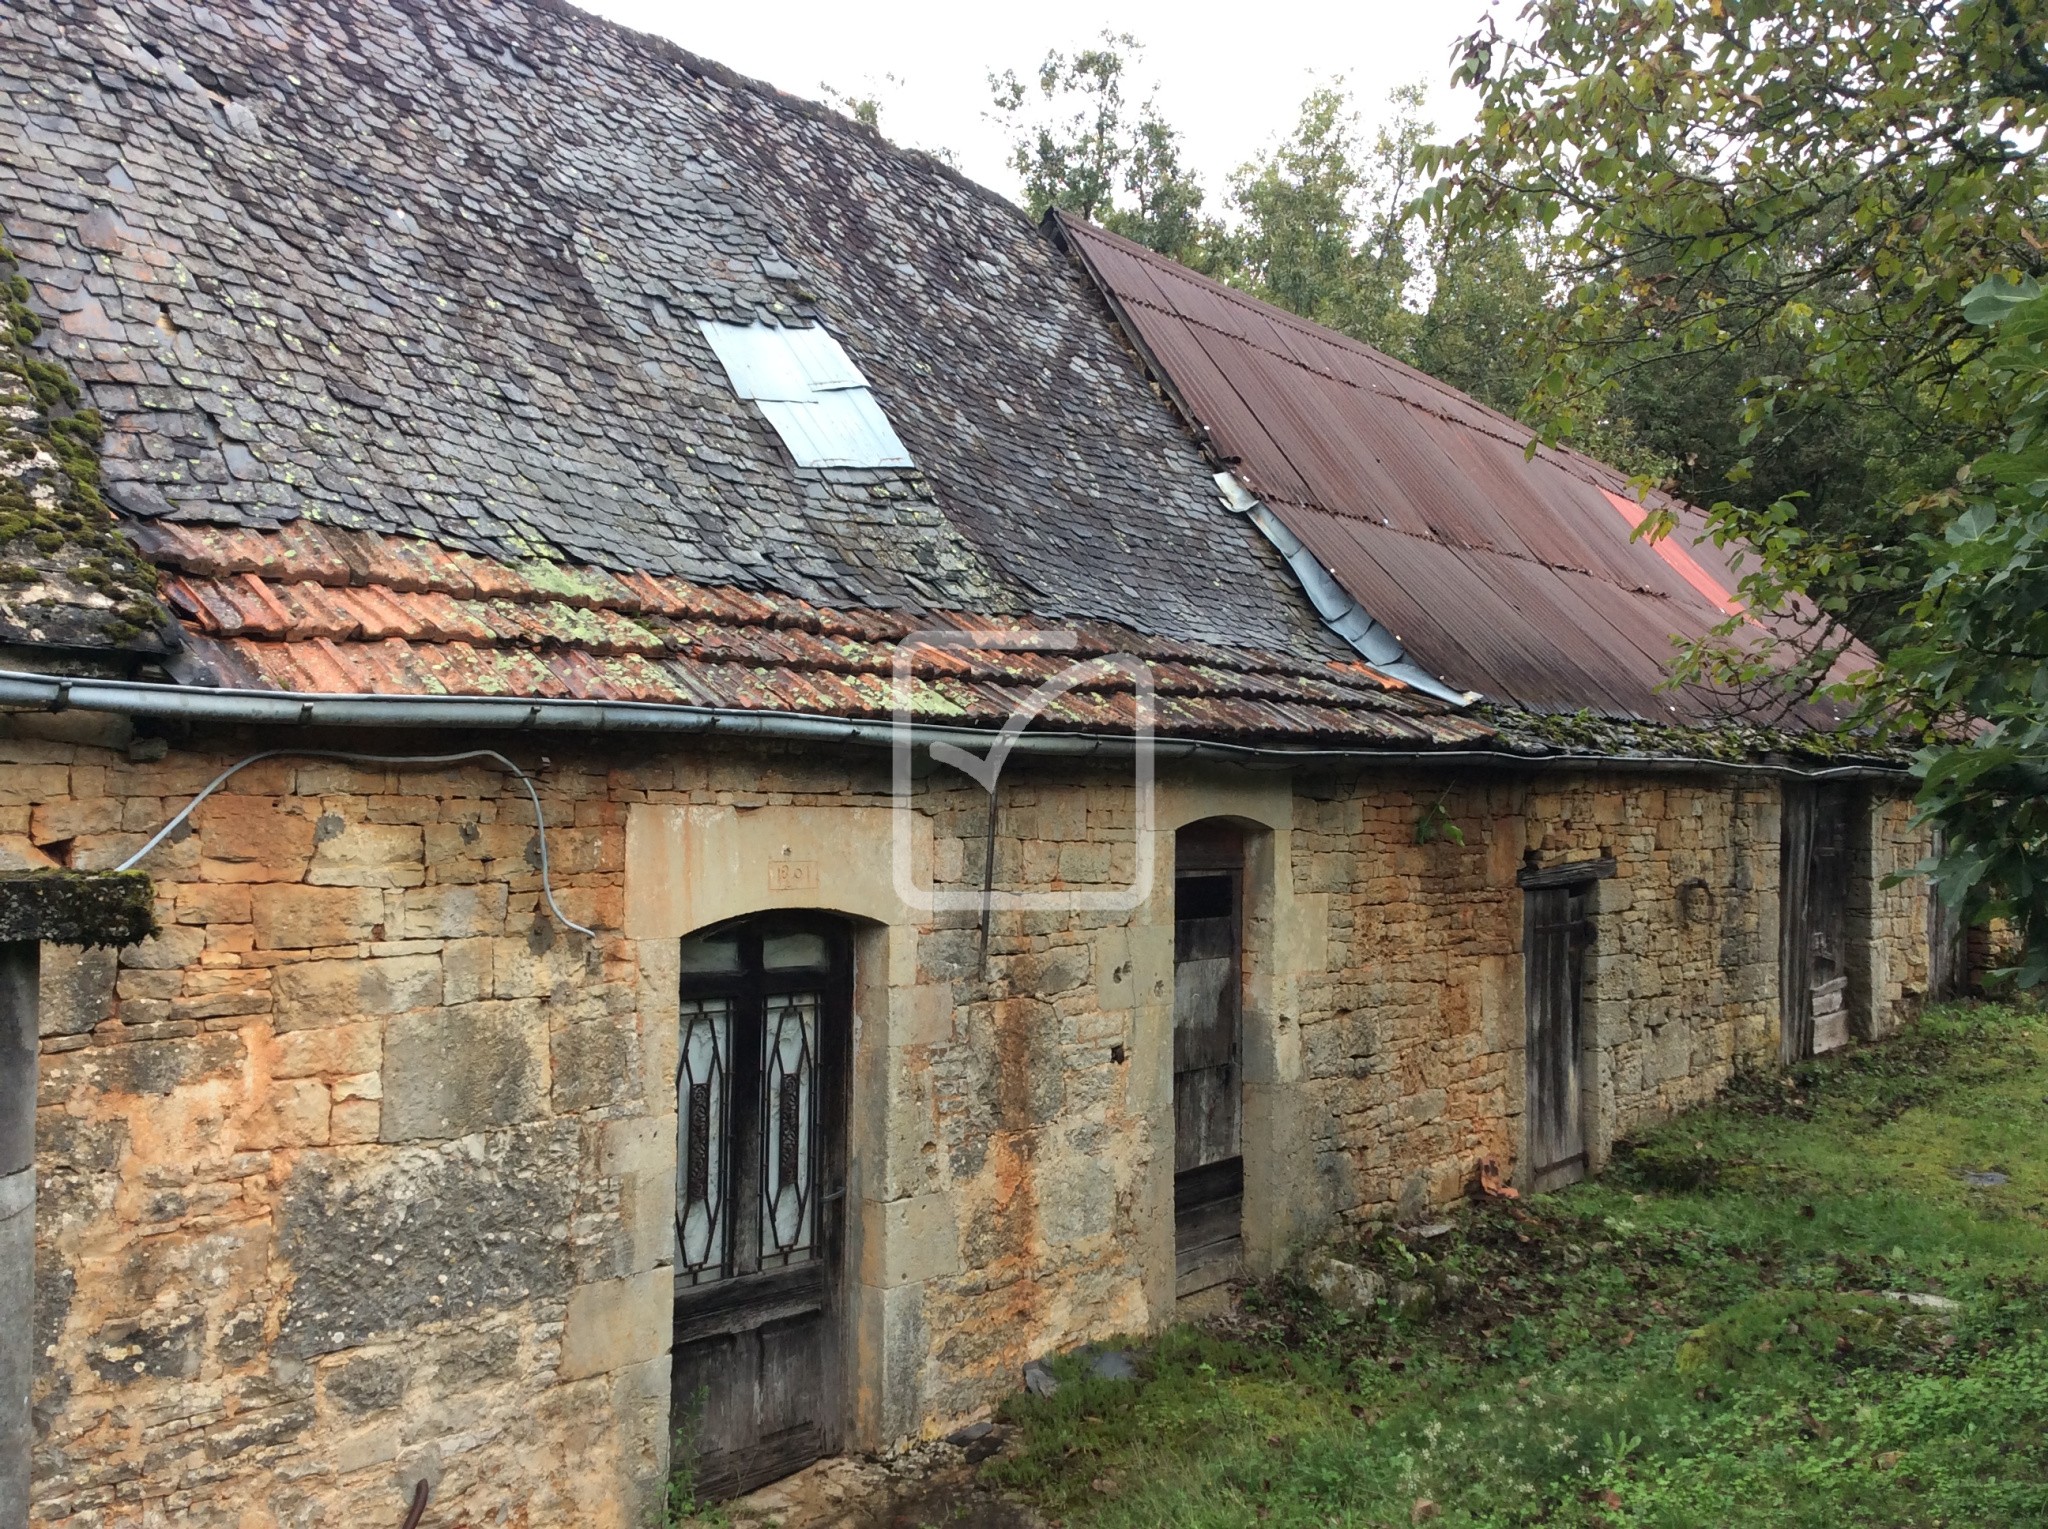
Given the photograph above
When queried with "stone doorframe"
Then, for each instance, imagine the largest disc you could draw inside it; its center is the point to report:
(1285, 938)
(691, 867)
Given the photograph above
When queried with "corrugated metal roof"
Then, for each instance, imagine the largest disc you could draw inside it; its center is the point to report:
(1502, 572)
(322, 610)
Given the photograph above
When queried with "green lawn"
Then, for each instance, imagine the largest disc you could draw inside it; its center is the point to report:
(1711, 1335)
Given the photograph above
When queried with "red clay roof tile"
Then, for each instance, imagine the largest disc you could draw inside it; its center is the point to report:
(324, 610)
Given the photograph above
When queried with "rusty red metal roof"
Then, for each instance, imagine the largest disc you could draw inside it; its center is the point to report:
(320, 610)
(1500, 571)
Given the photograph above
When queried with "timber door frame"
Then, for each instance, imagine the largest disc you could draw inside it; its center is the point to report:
(728, 1284)
(1208, 1197)
(1558, 935)
(1815, 863)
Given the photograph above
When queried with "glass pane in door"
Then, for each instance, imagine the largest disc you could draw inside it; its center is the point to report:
(789, 1052)
(703, 1095)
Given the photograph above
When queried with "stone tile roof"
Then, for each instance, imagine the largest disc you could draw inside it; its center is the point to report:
(68, 578)
(312, 609)
(433, 271)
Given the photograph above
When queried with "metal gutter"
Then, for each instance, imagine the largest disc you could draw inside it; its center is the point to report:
(278, 708)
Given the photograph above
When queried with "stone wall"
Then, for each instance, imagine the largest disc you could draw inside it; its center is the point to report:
(354, 1173)
(1415, 1031)
(1890, 926)
(364, 1168)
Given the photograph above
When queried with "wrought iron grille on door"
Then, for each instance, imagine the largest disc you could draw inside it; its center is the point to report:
(765, 1021)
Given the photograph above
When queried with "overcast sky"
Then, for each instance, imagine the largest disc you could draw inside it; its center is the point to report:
(1230, 84)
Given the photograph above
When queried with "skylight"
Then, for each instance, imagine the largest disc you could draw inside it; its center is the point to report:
(811, 392)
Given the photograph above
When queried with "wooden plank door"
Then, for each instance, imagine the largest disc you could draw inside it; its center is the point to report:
(760, 1196)
(1813, 903)
(1208, 1093)
(1948, 942)
(1558, 931)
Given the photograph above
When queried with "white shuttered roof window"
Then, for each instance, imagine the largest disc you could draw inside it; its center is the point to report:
(810, 391)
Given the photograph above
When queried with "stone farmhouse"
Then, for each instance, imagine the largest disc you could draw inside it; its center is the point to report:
(572, 519)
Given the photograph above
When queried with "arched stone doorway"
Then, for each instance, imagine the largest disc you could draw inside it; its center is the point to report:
(763, 1079)
(1208, 1055)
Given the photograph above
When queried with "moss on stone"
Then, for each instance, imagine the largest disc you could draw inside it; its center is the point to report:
(1728, 742)
(77, 907)
(80, 582)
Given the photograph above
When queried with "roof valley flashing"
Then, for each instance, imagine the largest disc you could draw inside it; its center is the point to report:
(1341, 614)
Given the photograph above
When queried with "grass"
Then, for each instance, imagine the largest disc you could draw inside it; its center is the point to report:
(1714, 1333)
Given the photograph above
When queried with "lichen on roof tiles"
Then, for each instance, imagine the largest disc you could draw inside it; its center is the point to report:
(263, 623)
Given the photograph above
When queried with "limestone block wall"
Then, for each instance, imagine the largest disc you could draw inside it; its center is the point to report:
(1889, 945)
(364, 1168)
(1414, 1030)
(355, 1171)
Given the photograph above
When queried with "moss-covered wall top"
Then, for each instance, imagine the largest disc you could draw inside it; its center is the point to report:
(77, 907)
(68, 577)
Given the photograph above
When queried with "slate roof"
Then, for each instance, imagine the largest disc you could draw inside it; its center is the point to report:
(68, 579)
(1509, 574)
(391, 313)
(432, 270)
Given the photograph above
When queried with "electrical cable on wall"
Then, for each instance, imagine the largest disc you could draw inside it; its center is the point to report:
(540, 822)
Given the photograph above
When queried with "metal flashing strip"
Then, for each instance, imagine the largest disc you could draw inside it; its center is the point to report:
(23, 690)
(811, 392)
(1340, 612)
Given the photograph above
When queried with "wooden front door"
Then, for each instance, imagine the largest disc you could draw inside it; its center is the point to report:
(761, 1089)
(1813, 910)
(1208, 1177)
(1558, 932)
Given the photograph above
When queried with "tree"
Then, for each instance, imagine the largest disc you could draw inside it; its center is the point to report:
(1323, 226)
(1769, 213)
(1081, 146)
(1488, 296)
(1820, 180)
(867, 111)
(1973, 644)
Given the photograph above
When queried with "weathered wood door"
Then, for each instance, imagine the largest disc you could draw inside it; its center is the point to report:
(1558, 930)
(760, 1195)
(1208, 1092)
(1813, 912)
(1948, 943)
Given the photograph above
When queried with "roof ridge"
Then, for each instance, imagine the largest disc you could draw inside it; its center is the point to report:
(775, 95)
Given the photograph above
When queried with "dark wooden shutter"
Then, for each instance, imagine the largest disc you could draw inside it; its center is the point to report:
(1814, 863)
(1558, 930)
(1948, 944)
